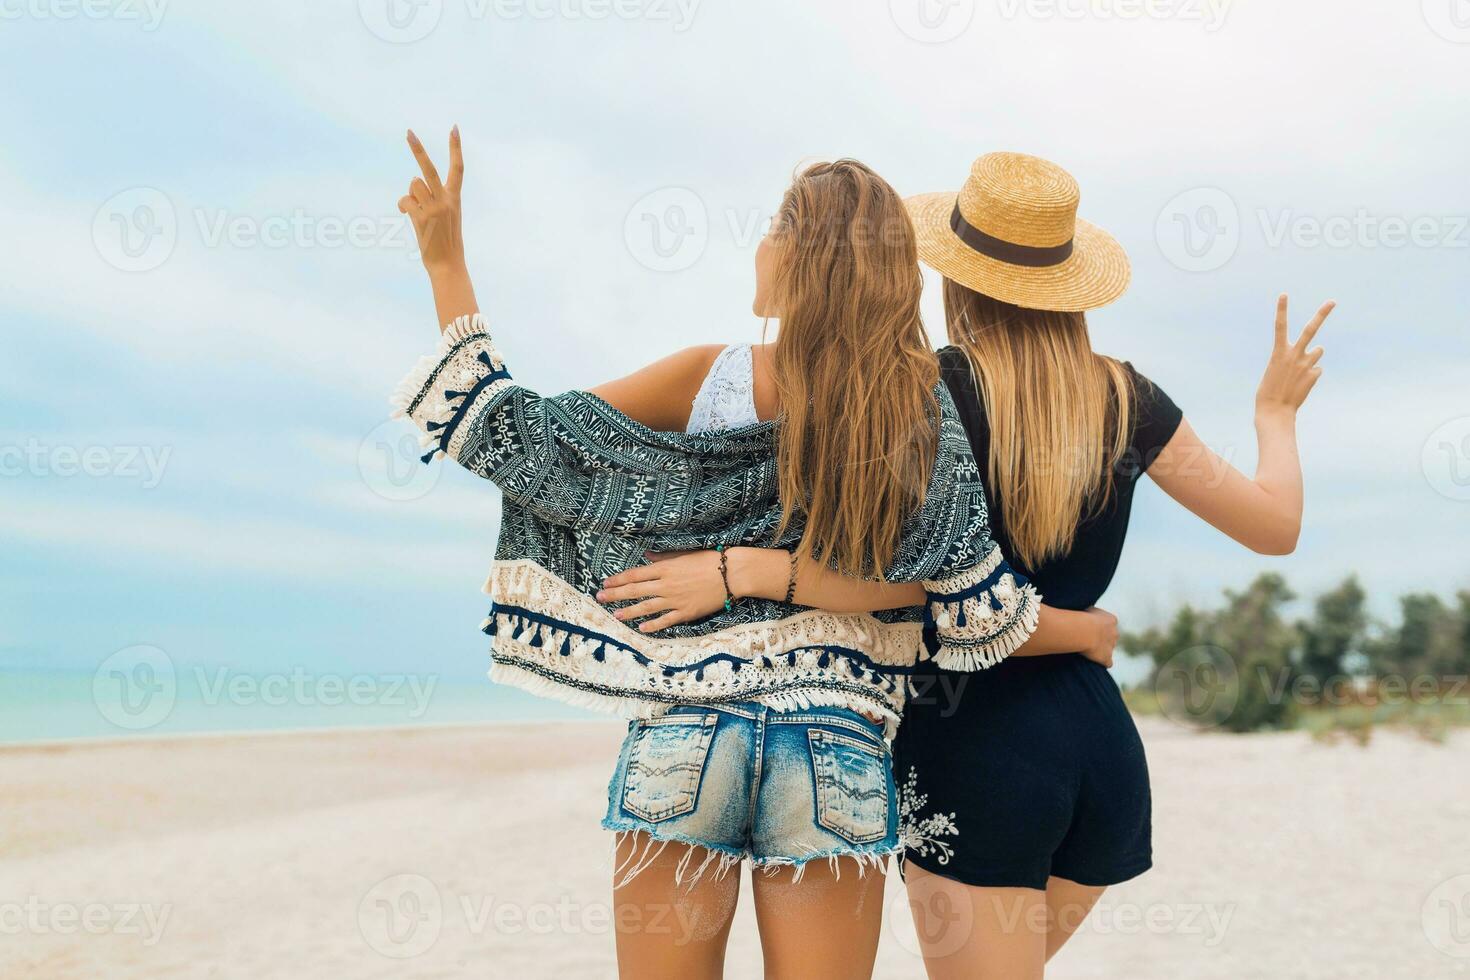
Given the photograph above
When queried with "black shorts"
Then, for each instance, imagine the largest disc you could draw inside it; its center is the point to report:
(1040, 767)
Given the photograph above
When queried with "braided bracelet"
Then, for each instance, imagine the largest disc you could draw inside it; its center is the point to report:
(791, 583)
(725, 577)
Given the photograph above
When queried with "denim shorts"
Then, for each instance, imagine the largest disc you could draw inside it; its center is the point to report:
(744, 781)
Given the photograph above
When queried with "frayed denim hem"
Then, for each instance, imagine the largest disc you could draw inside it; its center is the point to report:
(721, 857)
(875, 858)
(718, 859)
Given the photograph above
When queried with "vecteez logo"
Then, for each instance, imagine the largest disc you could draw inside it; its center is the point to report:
(136, 230)
(401, 21)
(667, 230)
(147, 14)
(1445, 917)
(401, 916)
(1446, 459)
(1450, 19)
(1199, 230)
(932, 21)
(135, 688)
(1198, 687)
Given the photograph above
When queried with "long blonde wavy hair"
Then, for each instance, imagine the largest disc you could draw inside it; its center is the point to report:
(852, 366)
(1058, 412)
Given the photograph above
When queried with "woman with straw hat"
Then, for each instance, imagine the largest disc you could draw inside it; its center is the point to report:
(1027, 794)
(761, 733)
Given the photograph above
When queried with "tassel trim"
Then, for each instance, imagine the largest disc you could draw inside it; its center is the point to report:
(979, 648)
(981, 615)
(417, 383)
(536, 679)
(442, 389)
(536, 595)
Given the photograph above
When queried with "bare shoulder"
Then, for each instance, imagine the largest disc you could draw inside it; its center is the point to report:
(682, 371)
(661, 394)
(694, 361)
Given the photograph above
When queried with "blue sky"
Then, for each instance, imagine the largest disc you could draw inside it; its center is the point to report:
(225, 385)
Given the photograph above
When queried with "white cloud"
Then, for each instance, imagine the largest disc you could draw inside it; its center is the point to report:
(1315, 105)
(119, 534)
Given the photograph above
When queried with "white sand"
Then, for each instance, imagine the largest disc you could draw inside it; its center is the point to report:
(275, 856)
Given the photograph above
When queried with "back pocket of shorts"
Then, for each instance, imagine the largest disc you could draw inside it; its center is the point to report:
(665, 763)
(852, 786)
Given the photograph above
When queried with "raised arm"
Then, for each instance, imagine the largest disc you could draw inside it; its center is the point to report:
(658, 395)
(1264, 513)
(433, 208)
(462, 396)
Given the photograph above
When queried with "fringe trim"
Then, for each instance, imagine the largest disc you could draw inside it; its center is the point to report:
(979, 647)
(632, 706)
(639, 861)
(435, 394)
(603, 662)
(981, 615)
(877, 860)
(556, 642)
(542, 687)
(719, 862)
(415, 384)
(892, 647)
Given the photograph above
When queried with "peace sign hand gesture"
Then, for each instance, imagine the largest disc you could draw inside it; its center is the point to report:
(1293, 370)
(433, 207)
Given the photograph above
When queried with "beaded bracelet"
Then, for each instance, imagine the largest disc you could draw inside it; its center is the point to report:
(791, 583)
(725, 577)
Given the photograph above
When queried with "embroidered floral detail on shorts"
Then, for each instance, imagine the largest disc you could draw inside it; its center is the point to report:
(922, 835)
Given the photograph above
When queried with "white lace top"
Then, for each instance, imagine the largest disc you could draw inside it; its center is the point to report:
(726, 400)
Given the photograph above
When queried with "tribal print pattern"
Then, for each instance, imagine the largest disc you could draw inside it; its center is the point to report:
(587, 490)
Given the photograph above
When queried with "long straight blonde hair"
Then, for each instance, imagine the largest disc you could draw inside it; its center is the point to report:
(852, 366)
(1059, 416)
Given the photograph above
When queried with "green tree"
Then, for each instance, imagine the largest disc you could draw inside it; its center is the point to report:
(1429, 640)
(1462, 662)
(1230, 668)
(1261, 642)
(1185, 630)
(1338, 627)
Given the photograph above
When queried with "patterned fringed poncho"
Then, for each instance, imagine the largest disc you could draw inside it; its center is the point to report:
(587, 490)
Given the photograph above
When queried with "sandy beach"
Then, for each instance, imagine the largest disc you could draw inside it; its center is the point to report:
(475, 852)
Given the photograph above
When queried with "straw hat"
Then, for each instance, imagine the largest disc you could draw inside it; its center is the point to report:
(1013, 234)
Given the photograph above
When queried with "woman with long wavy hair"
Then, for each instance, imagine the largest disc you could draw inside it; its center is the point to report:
(1032, 786)
(761, 731)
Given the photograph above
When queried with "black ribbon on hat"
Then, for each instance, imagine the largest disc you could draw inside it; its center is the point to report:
(1004, 251)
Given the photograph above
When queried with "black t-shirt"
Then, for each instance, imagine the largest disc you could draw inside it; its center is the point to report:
(1077, 579)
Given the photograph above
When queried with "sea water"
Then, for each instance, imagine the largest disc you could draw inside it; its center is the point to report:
(143, 697)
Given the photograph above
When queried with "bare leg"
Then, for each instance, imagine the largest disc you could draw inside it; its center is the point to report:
(665, 930)
(970, 933)
(1067, 905)
(823, 927)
